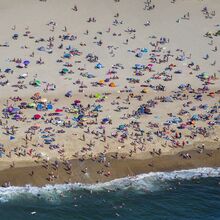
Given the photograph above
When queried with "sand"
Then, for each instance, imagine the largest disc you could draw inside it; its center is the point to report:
(106, 38)
(21, 176)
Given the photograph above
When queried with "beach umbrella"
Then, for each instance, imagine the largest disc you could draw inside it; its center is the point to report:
(49, 106)
(99, 66)
(15, 110)
(20, 65)
(144, 50)
(12, 138)
(121, 127)
(43, 100)
(26, 62)
(15, 36)
(37, 94)
(37, 116)
(139, 54)
(67, 55)
(8, 70)
(65, 70)
(137, 66)
(17, 117)
(204, 75)
(97, 108)
(41, 48)
(23, 104)
(69, 94)
(37, 82)
(97, 95)
(144, 90)
(105, 120)
(77, 101)
(58, 110)
(101, 81)
(195, 117)
(32, 105)
(39, 107)
(112, 84)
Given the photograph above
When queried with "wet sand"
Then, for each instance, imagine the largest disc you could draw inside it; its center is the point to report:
(120, 168)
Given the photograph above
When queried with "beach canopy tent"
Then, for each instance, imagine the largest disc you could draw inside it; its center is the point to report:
(37, 116)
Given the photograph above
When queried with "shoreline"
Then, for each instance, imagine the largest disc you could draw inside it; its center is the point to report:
(87, 171)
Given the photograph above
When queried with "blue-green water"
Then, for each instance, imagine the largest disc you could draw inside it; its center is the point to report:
(192, 194)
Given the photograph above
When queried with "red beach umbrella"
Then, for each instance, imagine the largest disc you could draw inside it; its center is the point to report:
(37, 116)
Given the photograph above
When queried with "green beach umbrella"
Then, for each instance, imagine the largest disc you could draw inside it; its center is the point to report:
(65, 70)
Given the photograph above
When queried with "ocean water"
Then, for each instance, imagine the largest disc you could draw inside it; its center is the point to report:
(188, 194)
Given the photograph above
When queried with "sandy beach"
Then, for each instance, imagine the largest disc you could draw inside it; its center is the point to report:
(96, 90)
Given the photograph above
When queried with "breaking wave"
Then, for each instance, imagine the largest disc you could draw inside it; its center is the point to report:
(150, 182)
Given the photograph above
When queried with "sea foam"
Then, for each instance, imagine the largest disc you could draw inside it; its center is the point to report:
(144, 182)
